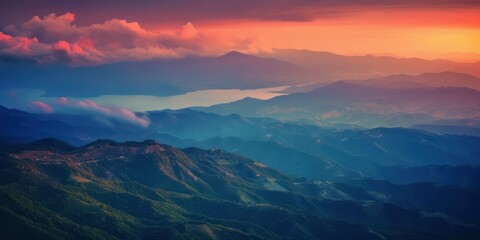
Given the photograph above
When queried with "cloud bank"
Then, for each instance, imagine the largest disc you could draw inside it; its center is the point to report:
(39, 106)
(92, 107)
(55, 38)
(89, 107)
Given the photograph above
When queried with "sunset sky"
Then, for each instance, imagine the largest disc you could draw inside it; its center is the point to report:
(53, 48)
(93, 32)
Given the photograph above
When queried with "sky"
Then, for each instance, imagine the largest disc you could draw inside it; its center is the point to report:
(95, 32)
(91, 33)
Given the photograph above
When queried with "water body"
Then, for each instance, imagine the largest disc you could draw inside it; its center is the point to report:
(19, 98)
(200, 98)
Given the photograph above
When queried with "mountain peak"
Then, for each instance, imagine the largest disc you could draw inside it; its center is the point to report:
(50, 144)
(102, 142)
(234, 54)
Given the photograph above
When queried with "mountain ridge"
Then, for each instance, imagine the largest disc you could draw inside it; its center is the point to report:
(362, 105)
(135, 190)
(331, 66)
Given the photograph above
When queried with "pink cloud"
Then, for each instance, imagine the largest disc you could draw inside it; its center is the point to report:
(23, 47)
(75, 54)
(49, 29)
(106, 111)
(57, 38)
(40, 107)
(62, 101)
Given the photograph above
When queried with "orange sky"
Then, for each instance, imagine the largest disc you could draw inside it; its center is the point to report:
(409, 28)
(425, 34)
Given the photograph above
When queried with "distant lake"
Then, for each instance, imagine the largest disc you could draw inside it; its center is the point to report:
(200, 98)
(19, 98)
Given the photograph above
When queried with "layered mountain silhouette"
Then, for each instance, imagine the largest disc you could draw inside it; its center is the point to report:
(362, 105)
(159, 78)
(293, 148)
(393, 157)
(331, 66)
(233, 70)
(443, 79)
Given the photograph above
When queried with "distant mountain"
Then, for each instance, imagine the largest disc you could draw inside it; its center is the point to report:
(329, 66)
(132, 190)
(340, 154)
(448, 129)
(443, 79)
(407, 147)
(18, 126)
(159, 78)
(197, 125)
(399, 81)
(296, 149)
(465, 176)
(365, 106)
(284, 158)
(230, 71)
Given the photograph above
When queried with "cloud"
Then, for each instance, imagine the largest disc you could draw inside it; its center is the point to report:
(92, 107)
(23, 47)
(57, 38)
(62, 101)
(152, 11)
(39, 106)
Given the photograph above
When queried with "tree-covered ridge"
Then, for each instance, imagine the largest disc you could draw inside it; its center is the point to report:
(132, 190)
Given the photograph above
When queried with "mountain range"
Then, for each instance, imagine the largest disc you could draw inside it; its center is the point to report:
(331, 66)
(297, 149)
(442, 79)
(158, 78)
(146, 190)
(394, 157)
(364, 105)
(233, 70)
